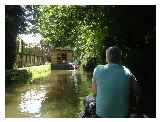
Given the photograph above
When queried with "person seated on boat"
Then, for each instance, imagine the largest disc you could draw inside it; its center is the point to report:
(115, 87)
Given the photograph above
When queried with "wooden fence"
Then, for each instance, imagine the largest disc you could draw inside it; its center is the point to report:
(31, 55)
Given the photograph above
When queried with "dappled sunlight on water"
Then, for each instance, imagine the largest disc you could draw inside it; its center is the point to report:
(31, 101)
(60, 94)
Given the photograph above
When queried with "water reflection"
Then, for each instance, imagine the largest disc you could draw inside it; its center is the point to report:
(63, 97)
(31, 101)
(58, 95)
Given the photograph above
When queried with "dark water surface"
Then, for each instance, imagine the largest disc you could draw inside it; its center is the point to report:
(60, 94)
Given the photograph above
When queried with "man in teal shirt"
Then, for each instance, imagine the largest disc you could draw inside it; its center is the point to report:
(114, 86)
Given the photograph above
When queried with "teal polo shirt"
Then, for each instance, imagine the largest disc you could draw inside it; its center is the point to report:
(112, 90)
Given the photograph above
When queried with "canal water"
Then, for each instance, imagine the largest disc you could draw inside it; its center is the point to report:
(59, 95)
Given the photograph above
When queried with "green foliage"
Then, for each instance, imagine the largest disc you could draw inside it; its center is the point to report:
(17, 76)
(78, 27)
(27, 74)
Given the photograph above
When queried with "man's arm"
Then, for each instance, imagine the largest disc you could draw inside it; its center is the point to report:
(135, 93)
(94, 80)
(94, 87)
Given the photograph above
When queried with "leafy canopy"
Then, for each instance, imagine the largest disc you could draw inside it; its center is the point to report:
(78, 27)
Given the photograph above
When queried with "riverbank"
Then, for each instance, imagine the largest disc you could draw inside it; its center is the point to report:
(26, 74)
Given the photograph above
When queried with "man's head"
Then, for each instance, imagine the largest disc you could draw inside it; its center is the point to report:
(113, 55)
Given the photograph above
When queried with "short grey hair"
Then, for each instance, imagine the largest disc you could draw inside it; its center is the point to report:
(113, 54)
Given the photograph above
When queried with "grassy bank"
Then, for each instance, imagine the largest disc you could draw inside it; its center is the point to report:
(38, 71)
(27, 74)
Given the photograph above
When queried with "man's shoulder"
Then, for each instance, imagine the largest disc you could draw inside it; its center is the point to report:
(129, 73)
(127, 70)
(99, 67)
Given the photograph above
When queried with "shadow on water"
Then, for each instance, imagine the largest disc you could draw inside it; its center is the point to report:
(15, 76)
(58, 95)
